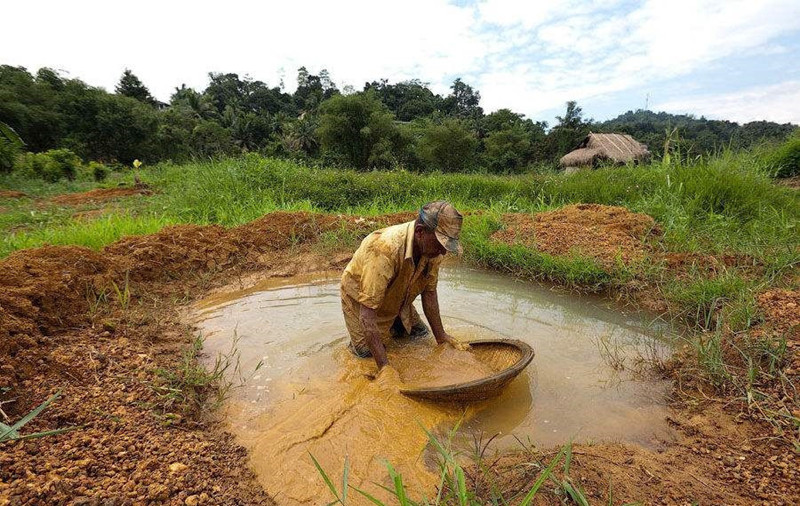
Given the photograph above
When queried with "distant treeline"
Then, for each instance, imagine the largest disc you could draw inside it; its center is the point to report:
(383, 126)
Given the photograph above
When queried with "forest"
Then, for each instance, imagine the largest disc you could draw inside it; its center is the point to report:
(383, 126)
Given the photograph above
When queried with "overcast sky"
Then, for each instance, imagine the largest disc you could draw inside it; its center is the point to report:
(732, 59)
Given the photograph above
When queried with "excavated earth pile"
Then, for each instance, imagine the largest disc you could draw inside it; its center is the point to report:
(99, 195)
(605, 233)
(11, 194)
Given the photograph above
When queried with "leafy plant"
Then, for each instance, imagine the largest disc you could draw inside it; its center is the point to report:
(11, 433)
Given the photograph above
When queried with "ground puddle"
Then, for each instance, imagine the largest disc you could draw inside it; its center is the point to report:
(312, 396)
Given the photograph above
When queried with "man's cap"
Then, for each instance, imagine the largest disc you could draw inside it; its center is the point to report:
(445, 221)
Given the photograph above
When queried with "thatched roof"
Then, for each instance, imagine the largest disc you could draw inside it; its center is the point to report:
(618, 148)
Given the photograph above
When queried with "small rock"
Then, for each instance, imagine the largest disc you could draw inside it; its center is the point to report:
(177, 467)
(192, 500)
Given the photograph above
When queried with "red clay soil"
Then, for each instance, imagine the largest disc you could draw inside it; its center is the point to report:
(98, 195)
(605, 233)
(11, 194)
(781, 312)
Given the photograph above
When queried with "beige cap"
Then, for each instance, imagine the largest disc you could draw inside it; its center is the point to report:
(443, 218)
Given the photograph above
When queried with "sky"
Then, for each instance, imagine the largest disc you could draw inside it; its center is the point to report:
(732, 59)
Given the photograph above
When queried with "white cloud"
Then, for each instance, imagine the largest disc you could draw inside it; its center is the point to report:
(777, 102)
(590, 51)
(530, 56)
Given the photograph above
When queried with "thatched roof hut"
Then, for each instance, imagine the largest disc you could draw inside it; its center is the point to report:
(617, 148)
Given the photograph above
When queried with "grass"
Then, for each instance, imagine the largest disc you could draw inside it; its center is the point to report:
(11, 432)
(722, 204)
(452, 487)
(192, 386)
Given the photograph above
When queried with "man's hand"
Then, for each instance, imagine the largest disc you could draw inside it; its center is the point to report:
(455, 343)
(388, 378)
(430, 305)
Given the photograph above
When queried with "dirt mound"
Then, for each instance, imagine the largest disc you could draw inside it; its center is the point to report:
(41, 292)
(604, 233)
(173, 252)
(98, 195)
(11, 194)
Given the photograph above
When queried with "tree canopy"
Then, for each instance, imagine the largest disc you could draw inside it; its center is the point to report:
(404, 124)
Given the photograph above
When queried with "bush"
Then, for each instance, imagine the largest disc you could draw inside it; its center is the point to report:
(51, 165)
(508, 150)
(10, 146)
(449, 146)
(785, 160)
(99, 171)
(8, 155)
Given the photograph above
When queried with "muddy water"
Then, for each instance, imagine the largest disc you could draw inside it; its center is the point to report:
(310, 395)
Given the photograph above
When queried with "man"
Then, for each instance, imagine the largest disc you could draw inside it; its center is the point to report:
(388, 271)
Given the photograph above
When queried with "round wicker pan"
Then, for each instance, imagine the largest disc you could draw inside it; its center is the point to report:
(506, 357)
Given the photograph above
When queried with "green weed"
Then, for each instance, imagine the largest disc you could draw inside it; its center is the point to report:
(191, 386)
(11, 432)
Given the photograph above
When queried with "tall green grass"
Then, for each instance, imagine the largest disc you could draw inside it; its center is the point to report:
(726, 203)
(94, 234)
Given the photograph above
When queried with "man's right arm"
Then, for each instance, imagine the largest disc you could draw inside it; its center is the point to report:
(369, 322)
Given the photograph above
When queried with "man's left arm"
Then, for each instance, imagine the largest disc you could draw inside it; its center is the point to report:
(430, 306)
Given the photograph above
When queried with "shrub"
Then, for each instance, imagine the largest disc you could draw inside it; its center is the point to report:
(785, 160)
(8, 155)
(51, 165)
(66, 162)
(449, 146)
(99, 171)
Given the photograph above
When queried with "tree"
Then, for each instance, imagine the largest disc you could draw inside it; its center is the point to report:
(408, 100)
(358, 129)
(463, 101)
(448, 146)
(509, 150)
(197, 104)
(300, 136)
(227, 90)
(130, 86)
(31, 107)
(573, 117)
(313, 89)
(568, 132)
(11, 145)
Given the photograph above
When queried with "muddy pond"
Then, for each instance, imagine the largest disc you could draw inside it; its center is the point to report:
(302, 392)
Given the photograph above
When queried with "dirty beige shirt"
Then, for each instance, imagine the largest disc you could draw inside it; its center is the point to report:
(382, 274)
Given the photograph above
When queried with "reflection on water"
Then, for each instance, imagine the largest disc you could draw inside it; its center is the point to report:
(313, 396)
